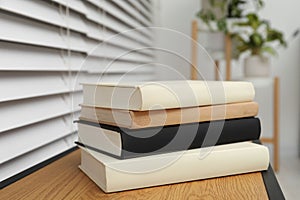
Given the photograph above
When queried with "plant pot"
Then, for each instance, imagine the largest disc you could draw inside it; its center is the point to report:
(205, 5)
(257, 66)
(213, 42)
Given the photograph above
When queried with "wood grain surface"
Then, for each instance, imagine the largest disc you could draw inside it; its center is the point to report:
(63, 180)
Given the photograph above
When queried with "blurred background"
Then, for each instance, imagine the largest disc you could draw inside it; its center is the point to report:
(47, 48)
(282, 15)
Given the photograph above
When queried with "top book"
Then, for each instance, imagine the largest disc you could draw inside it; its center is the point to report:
(141, 96)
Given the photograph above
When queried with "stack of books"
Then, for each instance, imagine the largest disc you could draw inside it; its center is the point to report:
(139, 135)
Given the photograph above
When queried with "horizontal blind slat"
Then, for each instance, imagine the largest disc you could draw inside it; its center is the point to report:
(30, 32)
(147, 4)
(97, 16)
(43, 11)
(124, 42)
(99, 78)
(17, 114)
(76, 42)
(110, 8)
(39, 136)
(143, 11)
(116, 53)
(77, 5)
(45, 59)
(32, 158)
(95, 30)
(137, 12)
(75, 22)
(133, 11)
(104, 65)
(20, 85)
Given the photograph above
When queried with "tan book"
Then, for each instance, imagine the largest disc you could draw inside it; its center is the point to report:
(142, 119)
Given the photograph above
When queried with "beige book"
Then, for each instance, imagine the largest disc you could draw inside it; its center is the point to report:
(113, 175)
(141, 119)
(166, 94)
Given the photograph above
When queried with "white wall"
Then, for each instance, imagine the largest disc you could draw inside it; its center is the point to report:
(284, 15)
(175, 15)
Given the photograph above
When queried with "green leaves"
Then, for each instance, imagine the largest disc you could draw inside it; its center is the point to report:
(254, 22)
(222, 25)
(260, 4)
(269, 49)
(259, 41)
(253, 34)
(206, 16)
(221, 4)
(209, 16)
(273, 35)
(234, 8)
(241, 44)
(256, 40)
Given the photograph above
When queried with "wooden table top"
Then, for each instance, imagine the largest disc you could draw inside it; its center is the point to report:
(63, 180)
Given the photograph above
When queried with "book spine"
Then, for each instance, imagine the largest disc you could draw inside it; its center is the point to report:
(201, 94)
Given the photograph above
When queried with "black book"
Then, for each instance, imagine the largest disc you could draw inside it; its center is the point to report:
(128, 143)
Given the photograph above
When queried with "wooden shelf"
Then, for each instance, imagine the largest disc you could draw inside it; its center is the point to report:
(194, 58)
(63, 180)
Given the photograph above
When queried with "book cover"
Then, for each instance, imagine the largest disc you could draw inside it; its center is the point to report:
(113, 175)
(166, 94)
(128, 143)
(141, 119)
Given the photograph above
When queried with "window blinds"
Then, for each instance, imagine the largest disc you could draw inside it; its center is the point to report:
(47, 48)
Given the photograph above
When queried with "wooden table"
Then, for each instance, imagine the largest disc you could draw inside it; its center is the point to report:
(63, 180)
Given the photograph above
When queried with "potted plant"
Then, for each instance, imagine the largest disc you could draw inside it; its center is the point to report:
(216, 14)
(257, 38)
(249, 33)
(216, 17)
(213, 24)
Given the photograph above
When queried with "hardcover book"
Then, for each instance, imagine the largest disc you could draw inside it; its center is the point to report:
(166, 94)
(141, 119)
(125, 143)
(113, 175)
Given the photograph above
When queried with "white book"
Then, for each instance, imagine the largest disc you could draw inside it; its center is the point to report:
(113, 175)
(166, 94)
